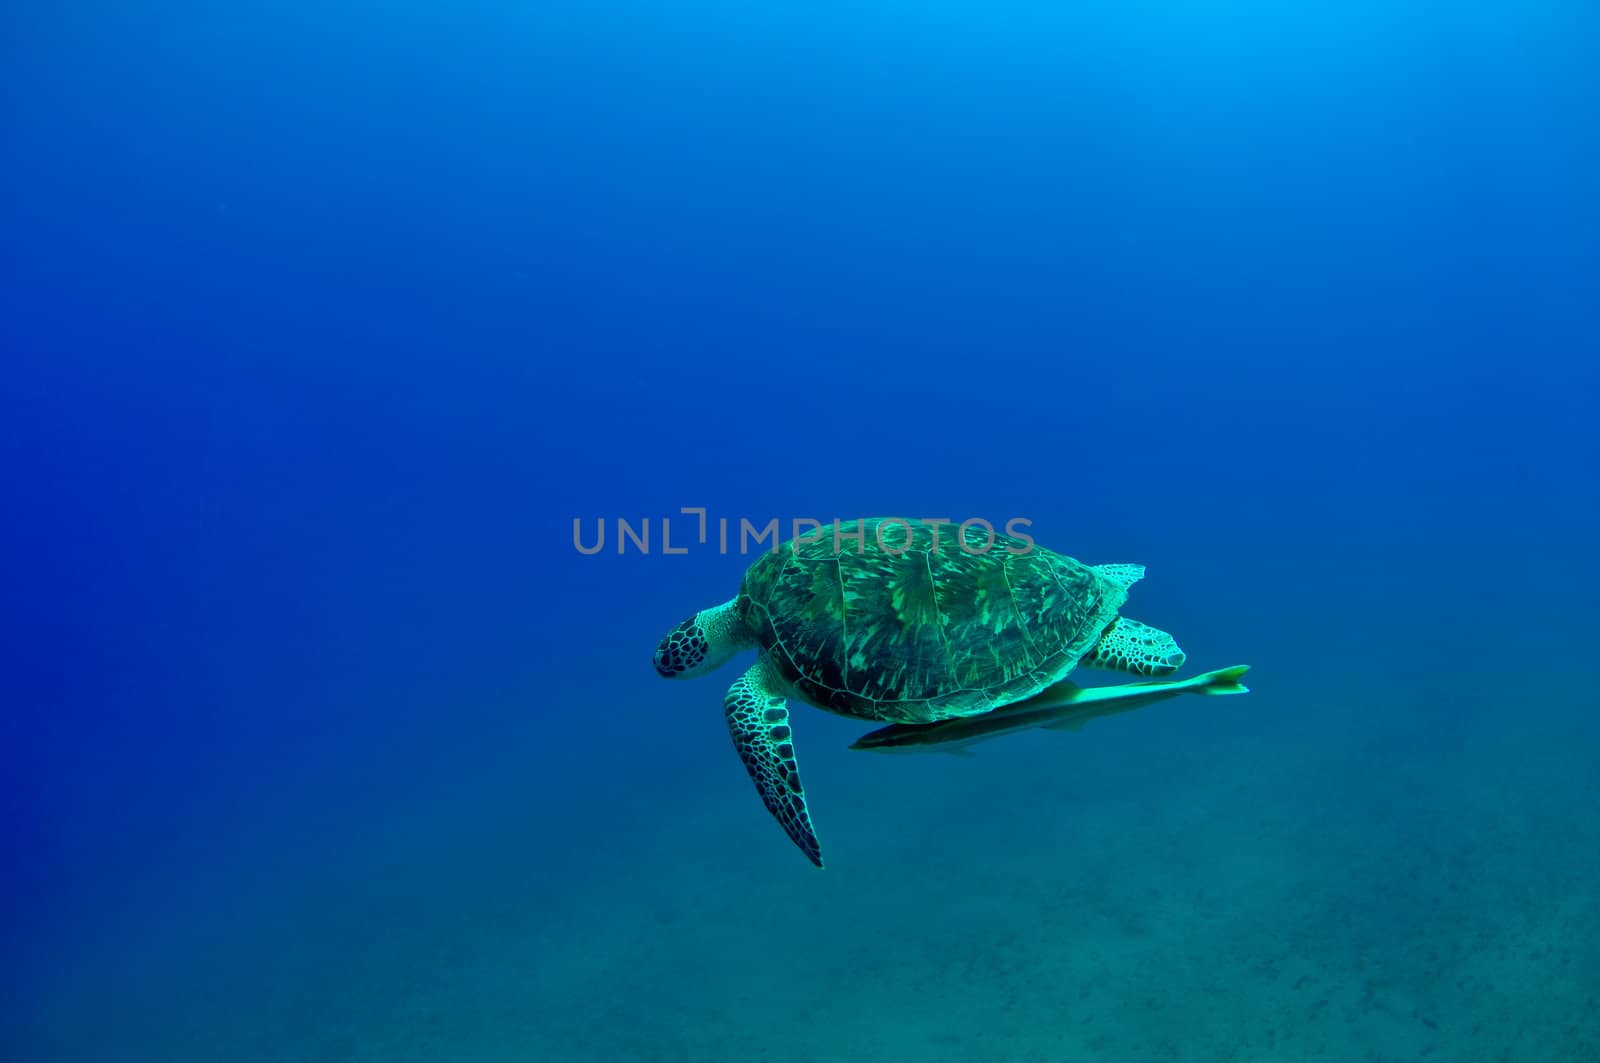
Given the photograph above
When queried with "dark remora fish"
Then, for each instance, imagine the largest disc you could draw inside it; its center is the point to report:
(1059, 708)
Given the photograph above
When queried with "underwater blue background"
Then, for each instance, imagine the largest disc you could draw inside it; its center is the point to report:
(323, 321)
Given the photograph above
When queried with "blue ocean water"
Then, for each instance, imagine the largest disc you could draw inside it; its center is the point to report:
(324, 322)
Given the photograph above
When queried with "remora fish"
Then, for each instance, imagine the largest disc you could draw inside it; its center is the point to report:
(1064, 706)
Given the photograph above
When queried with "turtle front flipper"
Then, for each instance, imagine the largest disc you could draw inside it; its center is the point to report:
(758, 720)
(1129, 646)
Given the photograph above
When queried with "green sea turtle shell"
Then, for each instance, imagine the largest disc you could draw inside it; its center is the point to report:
(916, 634)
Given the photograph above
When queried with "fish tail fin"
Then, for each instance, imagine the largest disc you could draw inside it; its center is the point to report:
(1222, 681)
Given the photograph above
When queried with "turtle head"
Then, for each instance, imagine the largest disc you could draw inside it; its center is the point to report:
(701, 643)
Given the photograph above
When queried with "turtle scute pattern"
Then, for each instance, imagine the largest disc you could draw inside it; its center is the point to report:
(922, 634)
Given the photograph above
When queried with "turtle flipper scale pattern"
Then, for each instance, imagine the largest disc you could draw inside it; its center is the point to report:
(758, 721)
(1125, 574)
(1129, 646)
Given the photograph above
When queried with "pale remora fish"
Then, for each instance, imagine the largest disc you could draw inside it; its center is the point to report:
(1064, 706)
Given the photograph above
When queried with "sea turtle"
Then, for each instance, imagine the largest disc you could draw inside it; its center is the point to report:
(906, 622)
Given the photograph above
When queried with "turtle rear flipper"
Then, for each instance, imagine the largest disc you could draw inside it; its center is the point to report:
(758, 720)
(1129, 646)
